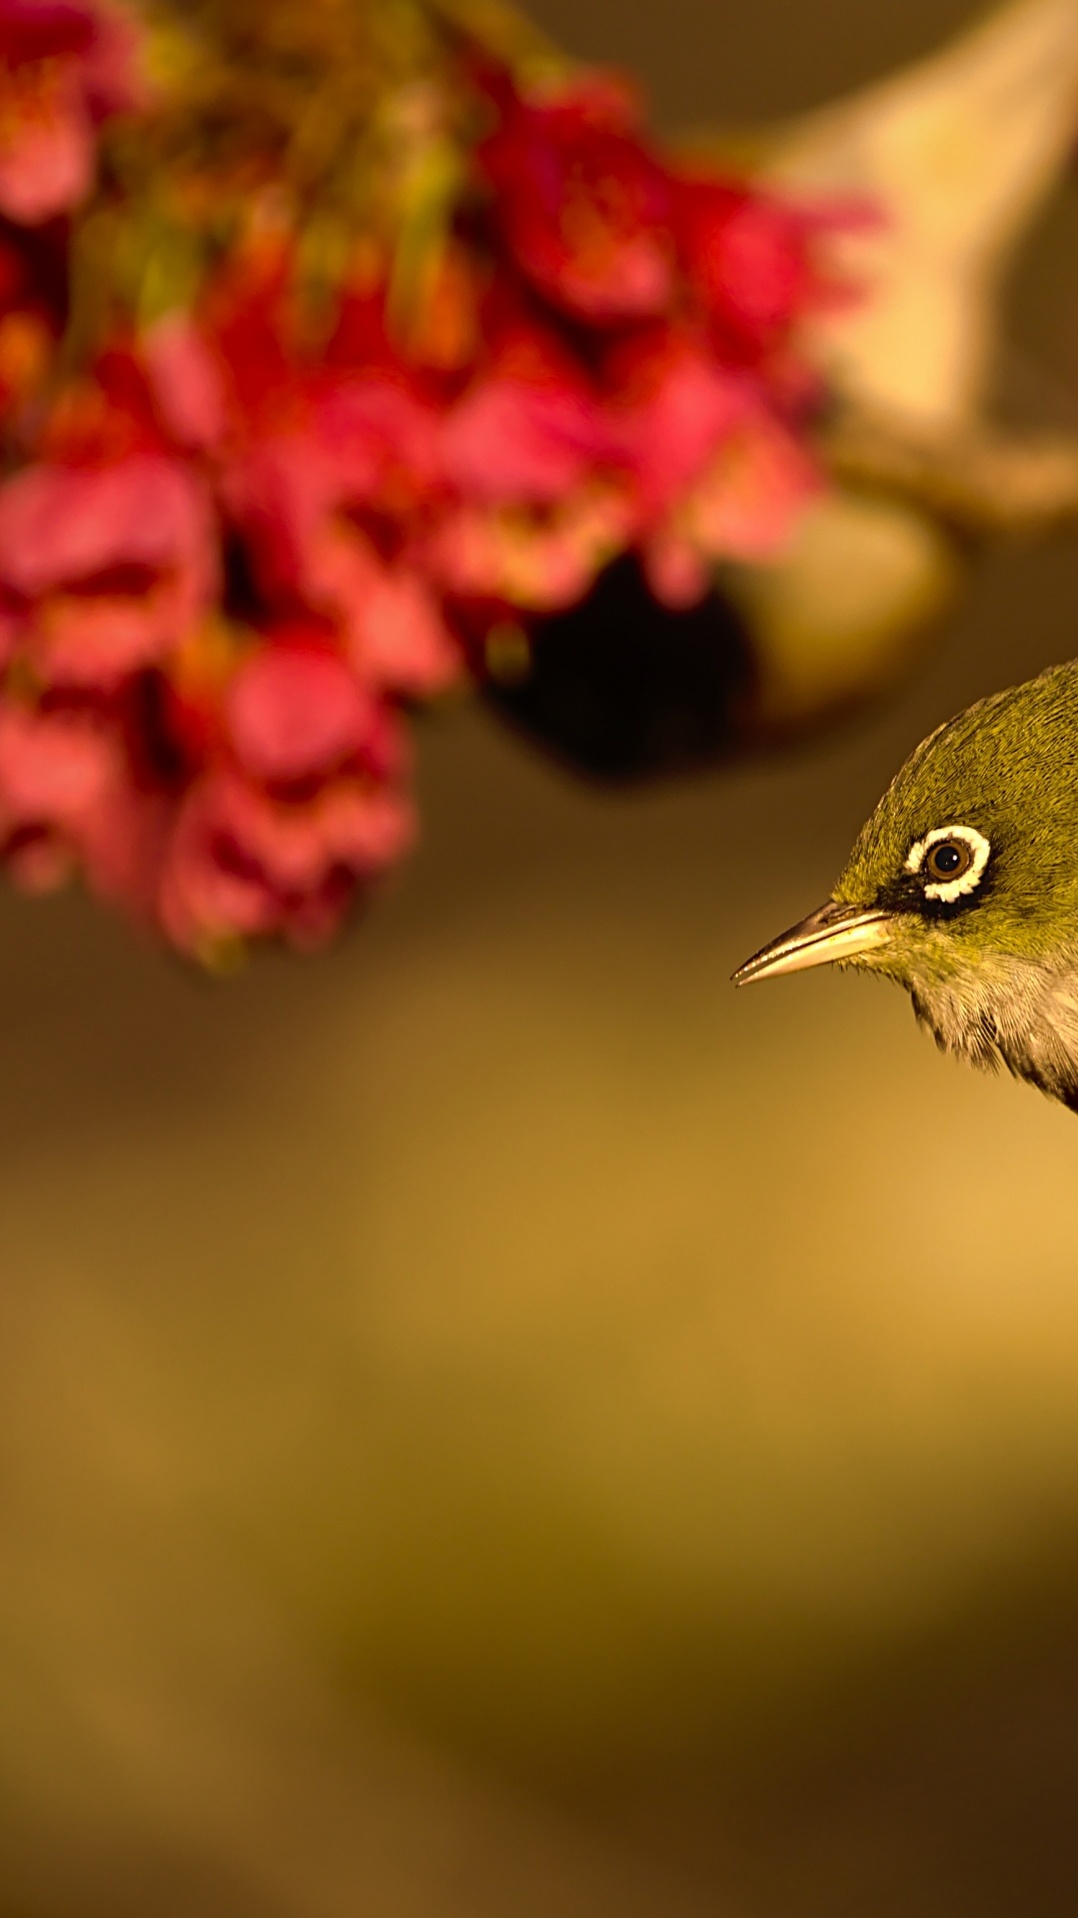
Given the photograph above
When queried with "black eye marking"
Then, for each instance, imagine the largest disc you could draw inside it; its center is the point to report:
(951, 861)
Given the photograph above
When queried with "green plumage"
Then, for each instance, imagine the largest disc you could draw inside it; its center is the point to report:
(1007, 766)
(963, 886)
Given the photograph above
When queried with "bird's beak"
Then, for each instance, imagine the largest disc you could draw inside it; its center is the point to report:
(832, 932)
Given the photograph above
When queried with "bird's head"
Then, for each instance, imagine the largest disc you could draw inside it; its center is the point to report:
(966, 874)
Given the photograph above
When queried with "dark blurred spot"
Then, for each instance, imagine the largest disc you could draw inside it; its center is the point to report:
(35, 257)
(153, 742)
(241, 598)
(620, 688)
(127, 579)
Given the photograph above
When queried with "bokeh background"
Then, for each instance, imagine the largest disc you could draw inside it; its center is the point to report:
(493, 1422)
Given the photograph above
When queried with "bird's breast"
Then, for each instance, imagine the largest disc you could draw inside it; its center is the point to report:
(1010, 1012)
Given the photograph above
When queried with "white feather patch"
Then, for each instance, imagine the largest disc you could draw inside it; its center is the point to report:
(968, 881)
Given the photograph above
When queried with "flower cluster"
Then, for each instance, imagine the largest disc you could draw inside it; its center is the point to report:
(253, 520)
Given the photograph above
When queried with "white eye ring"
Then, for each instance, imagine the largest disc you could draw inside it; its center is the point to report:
(979, 850)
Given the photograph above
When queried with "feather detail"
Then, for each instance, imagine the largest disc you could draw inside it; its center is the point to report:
(1008, 1012)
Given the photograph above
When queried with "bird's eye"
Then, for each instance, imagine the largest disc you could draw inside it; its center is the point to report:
(948, 860)
(951, 861)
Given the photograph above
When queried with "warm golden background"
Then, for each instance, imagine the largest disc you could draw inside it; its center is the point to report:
(496, 1425)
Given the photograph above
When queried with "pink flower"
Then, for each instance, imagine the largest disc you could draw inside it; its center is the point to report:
(65, 65)
(381, 439)
(234, 547)
(240, 864)
(390, 621)
(277, 491)
(301, 504)
(675, 405)
(534, 561)
(112, 564)
(744, 505)
(187, 381)
(295, 713)
(508, 439)
(57, 772)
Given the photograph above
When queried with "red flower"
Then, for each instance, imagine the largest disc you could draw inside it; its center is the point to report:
(750, 259)
(580, 202)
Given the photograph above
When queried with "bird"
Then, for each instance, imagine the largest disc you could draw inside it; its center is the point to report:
(962, 887)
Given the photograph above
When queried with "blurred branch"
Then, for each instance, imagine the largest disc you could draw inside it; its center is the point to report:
(957, 154)
(981, 482)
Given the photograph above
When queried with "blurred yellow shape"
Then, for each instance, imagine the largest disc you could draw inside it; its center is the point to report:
(959, 152)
